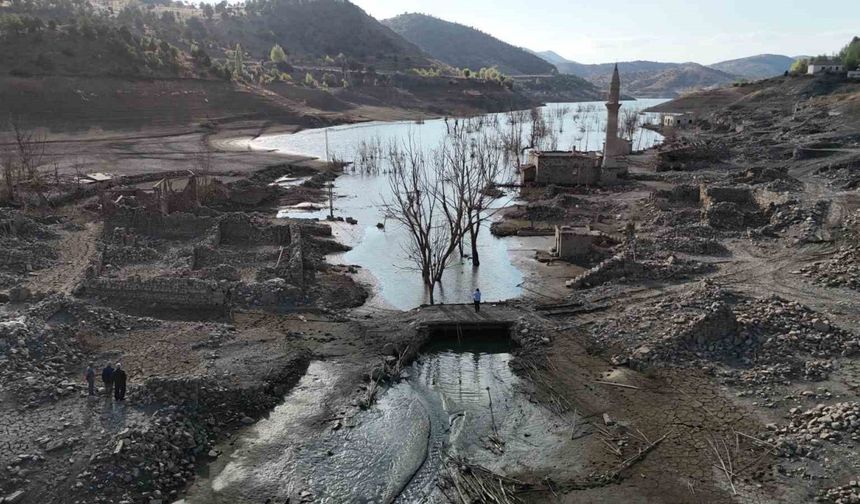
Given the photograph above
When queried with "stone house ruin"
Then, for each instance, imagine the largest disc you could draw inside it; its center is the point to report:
(168, 195)
(825, 66)
(573, 243)
(562, 168)
(677, 120)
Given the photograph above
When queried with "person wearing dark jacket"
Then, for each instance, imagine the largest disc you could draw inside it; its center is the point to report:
(119, 379)
(107, 379)
(90, 377)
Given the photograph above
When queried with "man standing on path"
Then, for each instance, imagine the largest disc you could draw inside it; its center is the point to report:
(119, 379)
(107, 379)
(476, 297)
(90, 377)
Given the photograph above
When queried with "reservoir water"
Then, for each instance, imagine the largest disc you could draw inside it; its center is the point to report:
(380, 251)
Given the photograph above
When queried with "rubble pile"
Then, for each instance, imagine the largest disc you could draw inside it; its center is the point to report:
(842, 173)
(26, 244)
(761, 340)
(845, 494)
(272, 292)
(622, 268)
(840, 270)
(151, 462)
(154, 461)
(808, 430)
(40, 356)
(36, 361)
(771, 178)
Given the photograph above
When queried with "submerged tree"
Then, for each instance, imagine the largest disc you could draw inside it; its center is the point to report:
(420, 202)
(473, 165)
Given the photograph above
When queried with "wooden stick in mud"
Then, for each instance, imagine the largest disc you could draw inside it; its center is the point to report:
(632, 460)
(726, 470)
(613, 384)
(280, 256)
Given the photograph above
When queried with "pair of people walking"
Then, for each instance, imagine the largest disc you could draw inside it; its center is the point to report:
(114, 379)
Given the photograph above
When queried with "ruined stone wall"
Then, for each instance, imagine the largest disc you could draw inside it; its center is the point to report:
(177, 226)
(563, 170)
(19, 260)
(186, 292)
(615, 266)
(680, 194)
(711, 195)
(240, 229)
(765, 198)
(572, 244)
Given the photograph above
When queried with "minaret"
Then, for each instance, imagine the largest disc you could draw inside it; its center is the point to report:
(612, 107)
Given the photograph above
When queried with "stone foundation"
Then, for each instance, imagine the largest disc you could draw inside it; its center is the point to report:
(181, 292)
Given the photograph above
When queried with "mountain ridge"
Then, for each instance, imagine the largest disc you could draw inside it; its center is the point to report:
(465, 47)
(645, 78)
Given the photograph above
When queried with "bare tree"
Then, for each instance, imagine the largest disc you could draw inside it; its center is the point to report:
(513, 137)
(9, 168)
(21, 161)
(203, 158)
(30, 144)
(472, 169)
(421, 201)
(630, 121)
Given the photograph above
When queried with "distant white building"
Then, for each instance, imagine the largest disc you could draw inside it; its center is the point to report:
(819, 67)
(854, 74)
(677, 120)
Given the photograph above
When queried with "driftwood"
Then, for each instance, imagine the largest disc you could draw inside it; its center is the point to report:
(613, 384)
(642, 453)
(474, 483)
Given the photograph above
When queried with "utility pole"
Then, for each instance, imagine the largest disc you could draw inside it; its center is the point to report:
(331, 200)
(327, 157)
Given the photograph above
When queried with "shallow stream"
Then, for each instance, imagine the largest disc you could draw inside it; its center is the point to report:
(393, 451)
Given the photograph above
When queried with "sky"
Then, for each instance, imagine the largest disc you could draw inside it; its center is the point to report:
(659, 30)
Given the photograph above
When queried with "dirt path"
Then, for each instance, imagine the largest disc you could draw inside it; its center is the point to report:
(77, 250)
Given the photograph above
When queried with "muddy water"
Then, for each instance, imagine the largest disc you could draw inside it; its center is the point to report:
(380, 251)
(393, 452)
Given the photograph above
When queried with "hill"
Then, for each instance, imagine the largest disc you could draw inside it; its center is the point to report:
(646, 79)
(550, 56)
(671, 81)
(175, 40)
(464, 47)
(313, 29)
(169, 63)
(756, 67)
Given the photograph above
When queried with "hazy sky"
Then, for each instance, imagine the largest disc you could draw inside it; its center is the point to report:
(598, 31)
